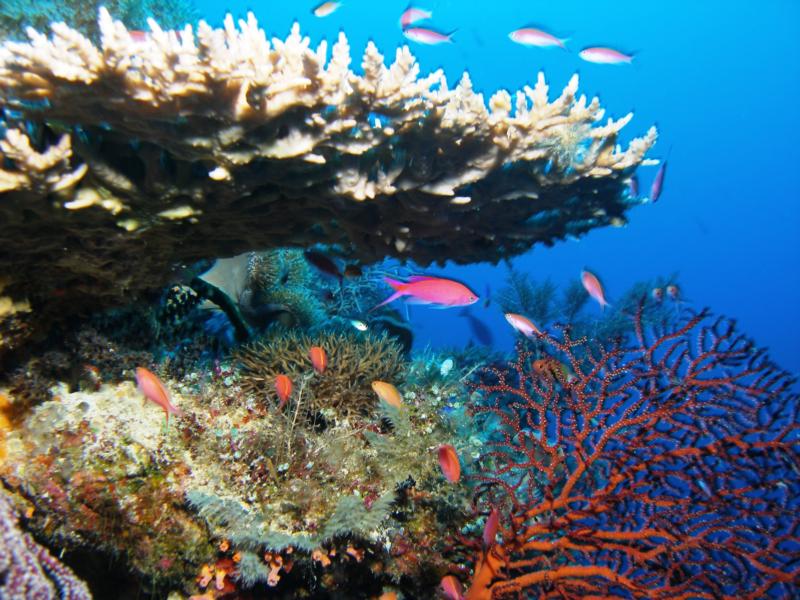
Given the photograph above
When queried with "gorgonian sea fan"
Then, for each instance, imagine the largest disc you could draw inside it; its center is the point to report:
(661, 466)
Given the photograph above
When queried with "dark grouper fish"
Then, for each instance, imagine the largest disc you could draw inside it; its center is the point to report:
(479, 329)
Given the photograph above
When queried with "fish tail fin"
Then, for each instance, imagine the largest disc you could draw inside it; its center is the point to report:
(391, 298)
(396, 284)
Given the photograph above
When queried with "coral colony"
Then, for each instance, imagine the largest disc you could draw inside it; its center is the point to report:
(641, 451)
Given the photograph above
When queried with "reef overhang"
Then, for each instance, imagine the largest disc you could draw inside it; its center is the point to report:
(119, 162)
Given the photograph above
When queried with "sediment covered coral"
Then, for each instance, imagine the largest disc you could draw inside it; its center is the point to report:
(354, 362)
(123, 160)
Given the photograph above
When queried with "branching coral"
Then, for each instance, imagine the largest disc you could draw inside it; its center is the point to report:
(354, 362)
(666, 467)
(212, 142)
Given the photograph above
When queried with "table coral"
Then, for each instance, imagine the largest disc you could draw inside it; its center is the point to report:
(123, 160)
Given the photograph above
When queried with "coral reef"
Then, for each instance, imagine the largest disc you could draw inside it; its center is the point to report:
(210, 142)
(354, 362)
(17, 15)
(665, 467)
(28, 570)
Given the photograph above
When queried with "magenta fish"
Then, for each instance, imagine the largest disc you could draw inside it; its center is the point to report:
(633, 186)
(490, 529)
(531, 36)
(605, 56)
(593, 286)
(412, 14)
(658, 182)
(423, 35)
(423, 289)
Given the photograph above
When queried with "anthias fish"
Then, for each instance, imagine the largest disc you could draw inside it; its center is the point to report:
(154, 390)
(449, 463)
(318, 359)
(658, 182)
(523, 324)
(451, 588)
(422, 289)
(593, 286)
(325, 8)
(388, 393)
(490, 528)
(605, 56)
(413, 14)
(531, 36)
(423, 35)
(283, 387)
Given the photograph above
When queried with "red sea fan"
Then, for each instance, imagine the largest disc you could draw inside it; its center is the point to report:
(662, 467)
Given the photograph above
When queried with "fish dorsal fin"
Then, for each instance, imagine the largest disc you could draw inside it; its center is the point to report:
(415, 278)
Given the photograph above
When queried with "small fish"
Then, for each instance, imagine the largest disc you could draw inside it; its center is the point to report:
(422, 35)
(657, 294)
(605, 56)
(353, 271)
(325, 8)
(658, 182)
(488, 299)
(531, 36)
(154, 390)
(551, 368)
(413, 14)
(673, 292)
(479, 329)
(448, 461)
(359, 325)
(633, 186)
(283, 387)
(523, 324)
(592, 285)
(490, 528)
(318, 358)
(446, 366)
(323, 263)
(451, 588)
(388, 393)
(423, 289)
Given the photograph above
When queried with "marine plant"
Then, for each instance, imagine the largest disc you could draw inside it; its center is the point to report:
(354, 362)
(665, 467)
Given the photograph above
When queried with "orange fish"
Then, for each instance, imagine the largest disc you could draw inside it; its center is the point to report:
(318, 358)
(451, 588)
(448, 461)
(551, 368)
(326, 8)
(523, 324)
(388, 393)
(593, 286)
(283, 387)
(154, 390)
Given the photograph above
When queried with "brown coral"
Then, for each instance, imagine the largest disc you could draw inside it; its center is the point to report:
(345, 386)
(243, 143)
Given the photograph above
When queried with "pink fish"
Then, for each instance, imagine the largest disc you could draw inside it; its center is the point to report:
(490, 529)
(592, 285)
(523, 324)
(325, 8)
(422, 35)
(413, 14)
(154, 390)
(423, 289)
(451, 588)
(605, 56)
(633, 186)
(658, 182)
(530, 36)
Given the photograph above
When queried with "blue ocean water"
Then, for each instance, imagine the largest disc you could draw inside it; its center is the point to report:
(721, 82)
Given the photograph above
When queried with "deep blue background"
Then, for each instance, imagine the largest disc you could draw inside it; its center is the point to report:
(720, 79)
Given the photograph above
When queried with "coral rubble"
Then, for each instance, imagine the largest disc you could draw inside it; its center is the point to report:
(123, 160)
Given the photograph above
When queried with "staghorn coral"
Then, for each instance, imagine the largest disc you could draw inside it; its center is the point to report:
(211, 142)
(354, 362)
